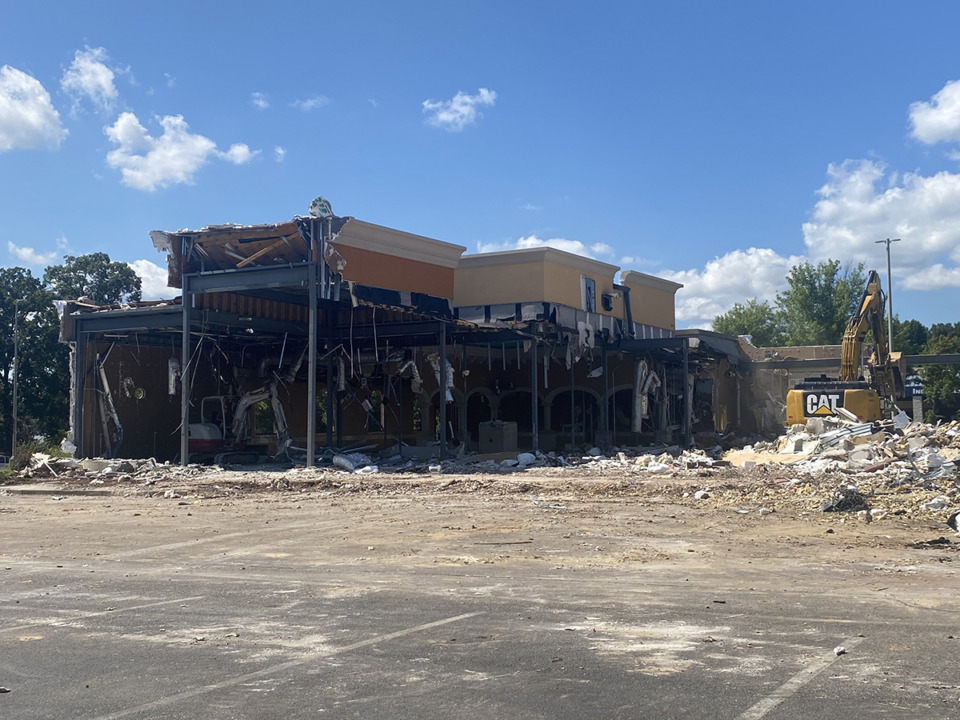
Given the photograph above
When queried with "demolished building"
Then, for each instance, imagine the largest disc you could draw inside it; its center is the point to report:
(297, 338)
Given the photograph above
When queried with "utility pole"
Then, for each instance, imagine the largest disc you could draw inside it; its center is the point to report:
(889, 294)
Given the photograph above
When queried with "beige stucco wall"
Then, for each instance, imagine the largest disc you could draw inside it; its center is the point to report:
(652, 299)
(562, 284)
(533, 275)
(496, 284)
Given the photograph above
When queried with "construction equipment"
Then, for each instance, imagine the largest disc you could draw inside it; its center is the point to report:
(222, 434)
(870, 399)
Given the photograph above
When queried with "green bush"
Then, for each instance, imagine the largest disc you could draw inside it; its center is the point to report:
(25, 451)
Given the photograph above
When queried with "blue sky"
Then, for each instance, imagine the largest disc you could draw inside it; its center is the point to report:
(714, 144)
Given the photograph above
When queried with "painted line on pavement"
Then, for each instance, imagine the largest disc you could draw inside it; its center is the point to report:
(791, 686)
(84, 616)
(313, 657)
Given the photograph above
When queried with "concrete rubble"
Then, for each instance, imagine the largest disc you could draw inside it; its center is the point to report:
(834, 467)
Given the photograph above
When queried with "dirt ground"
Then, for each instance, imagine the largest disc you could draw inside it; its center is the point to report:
(568, 592)
(765, 510)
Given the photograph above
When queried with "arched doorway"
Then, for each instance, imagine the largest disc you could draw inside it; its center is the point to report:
(515, 407)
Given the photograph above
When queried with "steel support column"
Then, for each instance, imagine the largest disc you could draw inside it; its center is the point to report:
(312, 359)
(604, 403)
(330, 391)
(443, 389)
(186, 302)
(534, 405)
(78, 391)
(687, 396)
(573, 409)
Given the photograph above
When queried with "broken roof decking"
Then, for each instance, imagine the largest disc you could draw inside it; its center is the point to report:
(359, 251)
(231, 247)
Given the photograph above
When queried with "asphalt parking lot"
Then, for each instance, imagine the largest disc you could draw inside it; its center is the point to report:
(439, 607)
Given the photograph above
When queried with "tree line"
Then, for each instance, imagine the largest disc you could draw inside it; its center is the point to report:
(30, 315)
(814, 309)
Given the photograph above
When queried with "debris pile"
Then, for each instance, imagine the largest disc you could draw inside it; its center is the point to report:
(908, 452)
(869, 471)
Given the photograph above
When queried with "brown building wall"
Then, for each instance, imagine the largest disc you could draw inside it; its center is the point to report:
(150, 418)
(396, 273)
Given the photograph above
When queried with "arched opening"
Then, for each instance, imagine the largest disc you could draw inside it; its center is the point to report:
(515, 407)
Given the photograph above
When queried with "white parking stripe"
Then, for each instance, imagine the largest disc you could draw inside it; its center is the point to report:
(180, 697)
(791, 686)
(83, 616)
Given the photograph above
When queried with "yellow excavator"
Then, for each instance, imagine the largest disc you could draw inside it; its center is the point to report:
(868, 400)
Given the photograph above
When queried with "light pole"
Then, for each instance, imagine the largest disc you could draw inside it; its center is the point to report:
(889, 294)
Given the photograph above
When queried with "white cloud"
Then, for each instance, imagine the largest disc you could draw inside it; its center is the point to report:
(239, 154)
(732, 278)
(455, 114)
(633, 261)
(29, 256)
(259, 101)
(147, 163)
(89, 77)
(938, 120)
(860, 204)
(312, 103)
(279, 153)
(571, 246)
(530, 206)
(27, 117)
(853, 213)
(153, 280)
(601, 250)
(171, 80)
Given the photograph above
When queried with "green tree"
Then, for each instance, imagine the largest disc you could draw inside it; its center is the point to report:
(94, 277)
(757, 319)
(944, 330)
(941, 383)
(909, 336)
(819, 301)
(42, 376)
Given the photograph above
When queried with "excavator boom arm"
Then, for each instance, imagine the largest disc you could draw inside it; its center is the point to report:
(869, 316)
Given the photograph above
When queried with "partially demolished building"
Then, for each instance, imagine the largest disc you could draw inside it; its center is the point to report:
(328, 332)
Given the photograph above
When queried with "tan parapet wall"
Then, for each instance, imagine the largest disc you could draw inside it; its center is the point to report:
(541, 274)
(652, 299)
(499, 283)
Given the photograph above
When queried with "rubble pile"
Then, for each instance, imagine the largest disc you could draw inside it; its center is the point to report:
(909, 452)
(867, 470)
